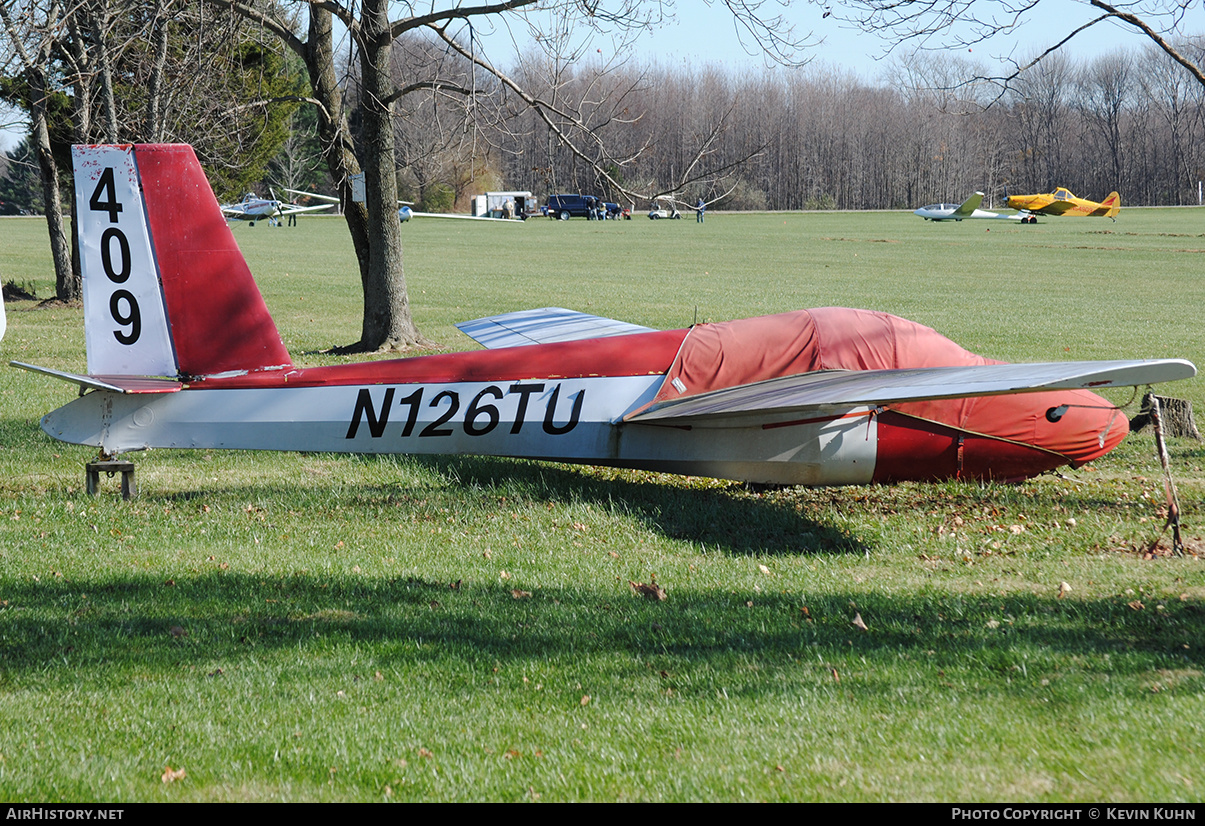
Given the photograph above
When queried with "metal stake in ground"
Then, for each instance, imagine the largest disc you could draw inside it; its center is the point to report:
(1173, 500)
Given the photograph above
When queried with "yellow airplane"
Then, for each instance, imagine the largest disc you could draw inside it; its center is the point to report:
(1062, 202)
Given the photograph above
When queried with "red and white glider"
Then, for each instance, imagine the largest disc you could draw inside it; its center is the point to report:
(182, 353)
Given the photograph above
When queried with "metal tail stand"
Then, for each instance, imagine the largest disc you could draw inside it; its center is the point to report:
(1173, 499)
(93, 470)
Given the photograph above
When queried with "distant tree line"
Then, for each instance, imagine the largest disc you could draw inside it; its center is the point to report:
(1131, 121)
(786, 139)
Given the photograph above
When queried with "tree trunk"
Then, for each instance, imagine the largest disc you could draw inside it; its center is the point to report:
(332, 133)
(67, 285)
(374, 226)
(387, 321)
(152, 129)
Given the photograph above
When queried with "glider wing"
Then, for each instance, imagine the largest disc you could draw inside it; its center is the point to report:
(968, 206)
(854, 388)
(543, 326)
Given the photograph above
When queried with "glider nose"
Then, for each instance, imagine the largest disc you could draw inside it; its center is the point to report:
(1080, 425)
(1070, 427)
(1006, 438)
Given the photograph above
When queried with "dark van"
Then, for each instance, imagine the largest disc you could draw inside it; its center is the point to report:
(565, 207)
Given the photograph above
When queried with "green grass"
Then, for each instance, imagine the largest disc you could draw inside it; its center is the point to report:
(315, 627)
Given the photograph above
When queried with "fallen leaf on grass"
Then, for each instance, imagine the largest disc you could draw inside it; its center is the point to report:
(649, 591)
(171, 775)
(858, 623)
(1064, 589)
(517, 594)
(177, 631)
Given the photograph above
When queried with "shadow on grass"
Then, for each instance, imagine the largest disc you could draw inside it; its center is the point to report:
(715, 514)
(726, 516)
(217, 619)
(762, 520)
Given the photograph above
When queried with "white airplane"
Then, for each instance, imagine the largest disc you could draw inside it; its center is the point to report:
(404, 212)
(252, 209)
(182, 353)
(956, 212)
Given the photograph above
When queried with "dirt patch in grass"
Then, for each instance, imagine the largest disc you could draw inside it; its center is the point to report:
(52, 303)
(864, 240)
(1194, 546)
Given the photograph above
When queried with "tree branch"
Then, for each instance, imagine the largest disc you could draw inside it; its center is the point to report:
(545, 110)
(1162, 43)
(457, 13)
(435, 85)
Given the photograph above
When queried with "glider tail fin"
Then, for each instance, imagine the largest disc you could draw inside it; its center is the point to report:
(166, 289)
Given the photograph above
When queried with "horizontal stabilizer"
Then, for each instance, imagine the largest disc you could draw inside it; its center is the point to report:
(115, 384)
(855, 388)
(544, 326)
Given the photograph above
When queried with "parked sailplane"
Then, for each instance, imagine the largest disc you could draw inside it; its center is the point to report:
(252, 209)
(404, 212)
(957, 212)
(182, 353)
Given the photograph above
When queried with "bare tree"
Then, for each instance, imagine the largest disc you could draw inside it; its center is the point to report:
(1042, 97)
(387, 322)
(1104, 88)
(1180, 104)
(32, 38)
(924, 24)
(90, 62)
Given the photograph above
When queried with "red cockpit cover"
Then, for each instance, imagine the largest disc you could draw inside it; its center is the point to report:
(732, 353)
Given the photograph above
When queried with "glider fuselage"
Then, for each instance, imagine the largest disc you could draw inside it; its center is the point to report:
(182, 353)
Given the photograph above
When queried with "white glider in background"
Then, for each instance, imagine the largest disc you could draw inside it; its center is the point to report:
(957, 212)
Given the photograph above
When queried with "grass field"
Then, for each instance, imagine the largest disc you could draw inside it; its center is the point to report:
(317, 627)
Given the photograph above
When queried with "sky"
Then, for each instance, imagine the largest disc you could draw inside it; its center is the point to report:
(704, 34)
(707, 35)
